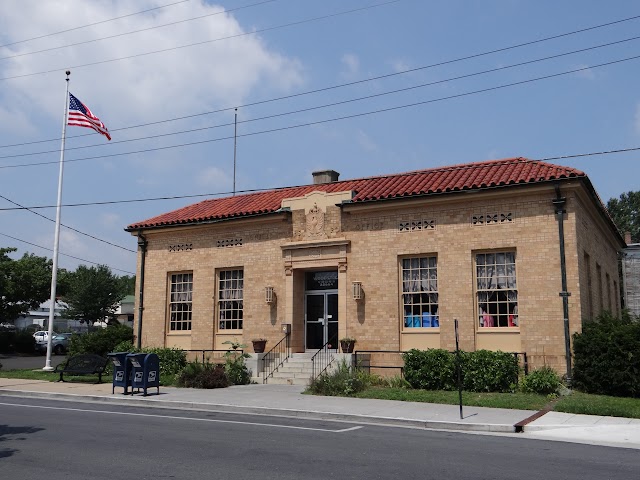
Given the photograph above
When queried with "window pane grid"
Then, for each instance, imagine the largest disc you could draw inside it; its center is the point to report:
(180, 298)
(420, 292)
(230, 299)
(496, 289)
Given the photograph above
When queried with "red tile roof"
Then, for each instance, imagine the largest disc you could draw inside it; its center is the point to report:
(469, 176)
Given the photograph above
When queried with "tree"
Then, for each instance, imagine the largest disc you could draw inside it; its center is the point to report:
(128, 284)
(625, 212)
(93, 294)
(24, 283)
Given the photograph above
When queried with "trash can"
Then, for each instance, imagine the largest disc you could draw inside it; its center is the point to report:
(121, 371)
(145, 371)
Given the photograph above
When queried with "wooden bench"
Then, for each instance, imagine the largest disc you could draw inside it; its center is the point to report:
(83, 364)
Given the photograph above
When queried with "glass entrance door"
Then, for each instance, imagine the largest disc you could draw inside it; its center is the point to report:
(321, 320)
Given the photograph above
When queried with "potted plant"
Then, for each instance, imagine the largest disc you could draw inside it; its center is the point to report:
(259, 344)
(347, 344)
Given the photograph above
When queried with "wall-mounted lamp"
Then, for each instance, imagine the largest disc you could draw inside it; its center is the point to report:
(358, 293)
(269, 295)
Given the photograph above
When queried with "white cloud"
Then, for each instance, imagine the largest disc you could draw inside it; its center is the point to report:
(173, 83)
(587, 73)
(111, 220)
(366, 142)
(351, 65)
(400, 65)
(214, 177)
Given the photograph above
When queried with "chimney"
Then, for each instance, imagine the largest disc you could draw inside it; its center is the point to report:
(627, 236)
(325, 176)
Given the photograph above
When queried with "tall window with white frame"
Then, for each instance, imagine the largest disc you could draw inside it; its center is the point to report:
(420, 292)
(496, 289)
(180, 298)
(230, 299)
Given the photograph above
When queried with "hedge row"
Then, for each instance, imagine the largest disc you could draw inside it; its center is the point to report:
(482, 370)
(607, 357)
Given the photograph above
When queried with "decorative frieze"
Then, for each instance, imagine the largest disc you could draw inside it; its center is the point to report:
(180, 247)
(492, 218)
(416, 225)
(229, 242)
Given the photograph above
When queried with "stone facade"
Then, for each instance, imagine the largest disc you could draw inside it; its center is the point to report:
(366, 243)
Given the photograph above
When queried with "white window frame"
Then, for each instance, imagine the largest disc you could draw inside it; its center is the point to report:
(180, 302)
(419, 292)
(496, 290)
(230, 300)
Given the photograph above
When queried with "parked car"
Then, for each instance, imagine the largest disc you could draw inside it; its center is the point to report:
(59, 344)
(42, 336)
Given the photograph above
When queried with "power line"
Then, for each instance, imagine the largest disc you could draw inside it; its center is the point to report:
(70, 228)
(204, 42)
(135, 31)
(366, 97)
(91, 24)
(334, 119)
(257, 190)
(66, 255)
(332, 87)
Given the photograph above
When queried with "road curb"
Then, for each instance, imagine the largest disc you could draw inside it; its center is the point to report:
(150, 402)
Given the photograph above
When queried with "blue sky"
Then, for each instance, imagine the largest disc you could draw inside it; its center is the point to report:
(282, 48)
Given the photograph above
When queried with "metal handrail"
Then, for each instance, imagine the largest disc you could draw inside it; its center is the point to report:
(281, 351)
(206, 359)
(323, 358)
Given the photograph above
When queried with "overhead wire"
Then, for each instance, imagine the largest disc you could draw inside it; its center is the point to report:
(91, 24)
(65, 254)
(335, 119)
(257, 190)
(342, 102)
(204, 42)
(68, 227)
(347, 84)
(84, 42)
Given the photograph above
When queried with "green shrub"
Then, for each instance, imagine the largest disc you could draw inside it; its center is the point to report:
(23, 342)
(607, 357)
(101, 341)
(172, 360)
(432, 369)
(488, 371)
(236, 368)
(202, 375)
(125, 346)
(543, 380)
(6, 341)
(343, 381)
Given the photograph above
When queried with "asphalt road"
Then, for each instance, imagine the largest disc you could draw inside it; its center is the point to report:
(46, 439)
(17, 362)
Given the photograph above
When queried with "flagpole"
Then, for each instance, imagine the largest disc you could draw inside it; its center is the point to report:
(56, 240)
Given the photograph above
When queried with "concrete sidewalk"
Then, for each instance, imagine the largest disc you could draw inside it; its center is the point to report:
(288, 401)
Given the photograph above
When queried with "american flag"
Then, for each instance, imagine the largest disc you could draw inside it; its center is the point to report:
(81, 116)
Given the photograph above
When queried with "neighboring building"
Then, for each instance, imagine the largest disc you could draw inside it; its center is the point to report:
(124, 312)
(631, 276)
(40, 317)
(391, 261)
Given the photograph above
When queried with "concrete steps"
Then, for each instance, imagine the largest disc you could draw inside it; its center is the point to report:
(296, 370)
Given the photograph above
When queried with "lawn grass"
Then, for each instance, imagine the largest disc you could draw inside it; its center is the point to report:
(576, 402)
(29, 374)
(587, 404)
(518, 401)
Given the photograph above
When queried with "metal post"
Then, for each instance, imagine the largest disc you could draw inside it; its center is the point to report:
(458, 368)
(56, 237)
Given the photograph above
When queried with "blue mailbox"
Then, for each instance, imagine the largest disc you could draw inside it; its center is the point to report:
(121, 371)
(145, 371)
